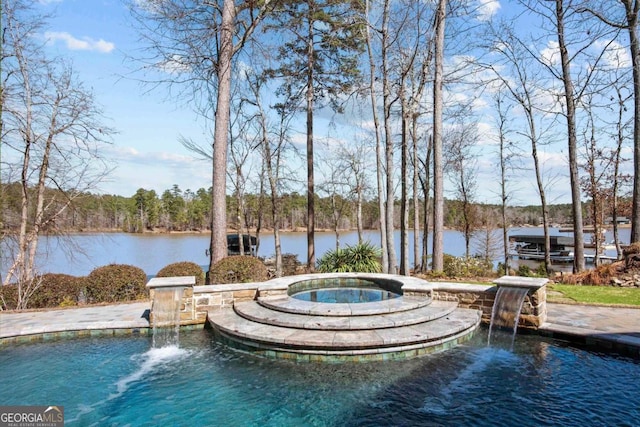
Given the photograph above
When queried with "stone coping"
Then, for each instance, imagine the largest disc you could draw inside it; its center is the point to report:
(171, 282)
(459, 287)
(409, 283)
(296, 306)
(521, 282)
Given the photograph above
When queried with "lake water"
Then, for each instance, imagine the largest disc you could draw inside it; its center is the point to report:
(79, 254)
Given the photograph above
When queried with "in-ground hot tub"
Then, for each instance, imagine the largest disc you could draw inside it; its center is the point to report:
(344, 317)
(345, 290)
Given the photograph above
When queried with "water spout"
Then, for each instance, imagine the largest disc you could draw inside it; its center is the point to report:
(506, 312)
(166, 316)
(166, 308)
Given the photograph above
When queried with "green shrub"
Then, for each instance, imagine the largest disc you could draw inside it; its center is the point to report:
(290, 264)
(56, 289)
(362, 257)
(8, 297)
(184, 268)
(466, 266)
(53, 290)
(238, 269)
(524, 271)
(115, 283)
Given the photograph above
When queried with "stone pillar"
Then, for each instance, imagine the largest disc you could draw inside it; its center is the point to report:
(534, 309)
(186, 306)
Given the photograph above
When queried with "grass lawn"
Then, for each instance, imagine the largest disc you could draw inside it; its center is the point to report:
(606, 295)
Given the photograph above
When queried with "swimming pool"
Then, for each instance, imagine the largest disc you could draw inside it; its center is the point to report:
(119, 381)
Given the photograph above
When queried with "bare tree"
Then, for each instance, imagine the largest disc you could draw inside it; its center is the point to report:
(508, 158)
(487, 244)
(387, 103)
(52, 131)
(317, 61)
(335, 186)
(378, 139)
(623, 15)
(575, 63)
(195, 46)
(514, 70)
(425, 186)
(354, 166)
(621, 126)
(595, 163)
(273, 140)
(461, 162)
(243, 142)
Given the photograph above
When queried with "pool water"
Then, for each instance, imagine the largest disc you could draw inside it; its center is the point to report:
(345, 295)
(122, 381)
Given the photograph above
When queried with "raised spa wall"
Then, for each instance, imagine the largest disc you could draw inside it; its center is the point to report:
(197, 301)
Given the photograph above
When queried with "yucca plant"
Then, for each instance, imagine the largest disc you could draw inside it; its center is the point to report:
(362, 257)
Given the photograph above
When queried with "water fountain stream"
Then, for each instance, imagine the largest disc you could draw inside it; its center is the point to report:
(166, 316)
(506, 313)
(166, 308)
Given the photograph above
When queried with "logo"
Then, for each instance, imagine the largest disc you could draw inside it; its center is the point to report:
(31, 416)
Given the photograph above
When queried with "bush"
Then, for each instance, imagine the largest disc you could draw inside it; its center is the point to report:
(363, 258)
(115, 283)
(290, 264)
(524, 271)
(53, 290)
(184, 268)
(466, 266)
(56, 290)
(238, 269)
(8, 297)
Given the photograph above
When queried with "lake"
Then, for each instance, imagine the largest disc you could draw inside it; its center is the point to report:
(79, 254)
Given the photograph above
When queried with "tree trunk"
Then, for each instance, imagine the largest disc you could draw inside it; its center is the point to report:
(578, 235)
(311, 255)
(376, 126)
(388, 141)
(404, 201)
(218, 243)
(416, 203)
(631, 9)
(438, 186)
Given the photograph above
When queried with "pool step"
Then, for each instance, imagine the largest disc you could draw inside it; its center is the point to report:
(287, 304)
(458, 324)
(263, 313)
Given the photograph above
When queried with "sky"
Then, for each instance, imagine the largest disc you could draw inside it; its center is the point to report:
(146, 153)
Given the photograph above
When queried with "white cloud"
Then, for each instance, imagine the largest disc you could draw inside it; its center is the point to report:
(175, 65)
(74, 43)
(615, 55)
(487, 8)
(551, 54)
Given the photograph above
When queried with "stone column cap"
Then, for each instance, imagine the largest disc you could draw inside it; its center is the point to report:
(521, 282)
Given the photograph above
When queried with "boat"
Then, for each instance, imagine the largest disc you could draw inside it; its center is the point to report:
(531, 247)
(233, 245)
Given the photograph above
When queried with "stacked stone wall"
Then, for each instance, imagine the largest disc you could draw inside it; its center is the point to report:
(199, 300)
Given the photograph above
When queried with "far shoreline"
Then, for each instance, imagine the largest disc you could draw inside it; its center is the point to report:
(164, 231)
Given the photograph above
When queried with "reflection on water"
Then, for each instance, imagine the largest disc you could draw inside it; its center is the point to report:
(151, 252)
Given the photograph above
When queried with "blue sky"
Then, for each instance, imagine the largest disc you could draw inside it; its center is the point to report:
(99, 37)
